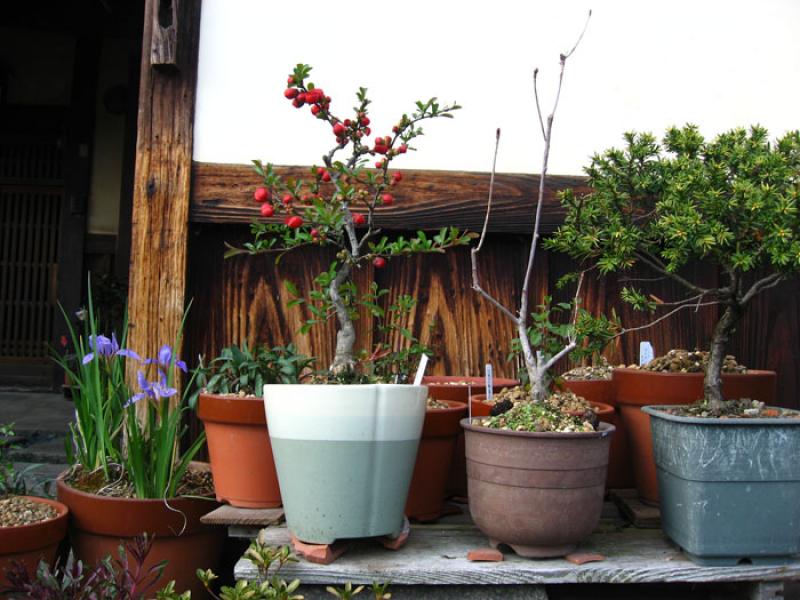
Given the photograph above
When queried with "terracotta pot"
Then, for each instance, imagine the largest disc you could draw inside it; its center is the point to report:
(620, 469)
(99, 524)
(28, 544)
(636, 388)
(539, 493)
(440, 431)
(460, 389)
(240, 451)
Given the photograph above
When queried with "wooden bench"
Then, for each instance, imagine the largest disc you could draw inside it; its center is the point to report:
(434, 565)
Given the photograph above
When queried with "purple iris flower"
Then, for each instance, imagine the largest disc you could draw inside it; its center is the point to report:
(153, 390)
(107, 348)
(165, 358)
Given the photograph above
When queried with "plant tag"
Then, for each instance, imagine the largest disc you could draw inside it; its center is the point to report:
(489, 382)
(645, 353)
(423, 363)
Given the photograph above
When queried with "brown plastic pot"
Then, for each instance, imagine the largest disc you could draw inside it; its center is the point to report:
(636, 388)
(620, 469)
(538, 493)
(28, 544)
(460, 389)
(240, 451)
(440, 431)
(99, 525)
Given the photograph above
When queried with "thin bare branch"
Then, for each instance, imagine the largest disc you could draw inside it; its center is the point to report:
(491, 192)
(580, 37)
(762, 284)
(538, 103)
(666, 316)
(655, 264)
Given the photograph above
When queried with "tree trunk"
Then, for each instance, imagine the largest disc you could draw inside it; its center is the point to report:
(712, 384)
(343, 361)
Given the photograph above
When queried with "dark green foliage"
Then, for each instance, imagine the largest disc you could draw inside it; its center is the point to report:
(238, 369)
(732, 201)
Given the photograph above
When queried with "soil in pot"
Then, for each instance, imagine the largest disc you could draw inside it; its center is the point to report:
(540, 493)
(599, 388)
(739, 503)
(440, 431)
(99, 524)
(677, 380)
(461, 389)
(31, 530)
(240, 451)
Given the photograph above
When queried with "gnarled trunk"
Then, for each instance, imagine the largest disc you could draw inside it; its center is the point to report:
(343, 360)
(712, 383)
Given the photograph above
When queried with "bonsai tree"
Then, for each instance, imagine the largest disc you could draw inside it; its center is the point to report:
(539, 341)
(731, 201)
(335, 205)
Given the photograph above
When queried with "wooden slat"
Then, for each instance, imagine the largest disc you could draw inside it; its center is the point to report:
(223, 193)
(436, 555)
(231, 515)
(161, 187)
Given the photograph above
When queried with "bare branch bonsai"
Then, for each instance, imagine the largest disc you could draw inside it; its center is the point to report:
(731, 202)
(537, 361)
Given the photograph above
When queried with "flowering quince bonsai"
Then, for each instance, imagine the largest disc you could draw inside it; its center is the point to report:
(731, 201)
(335, 205)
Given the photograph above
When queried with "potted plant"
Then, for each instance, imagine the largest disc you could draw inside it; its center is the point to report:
(536, 474)
(345, 451)
(231, 406)
(31, 528)
(730, 202)
(129, 474)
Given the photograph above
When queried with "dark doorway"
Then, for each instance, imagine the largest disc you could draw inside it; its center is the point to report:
(68, 86)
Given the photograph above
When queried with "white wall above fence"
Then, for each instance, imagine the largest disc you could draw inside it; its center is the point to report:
(641, 66)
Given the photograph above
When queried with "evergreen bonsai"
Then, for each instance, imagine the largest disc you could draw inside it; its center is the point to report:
(731, 201)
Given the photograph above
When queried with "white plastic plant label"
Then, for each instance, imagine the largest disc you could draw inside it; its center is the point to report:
(489, 382)
(645, 353)
(423, 363)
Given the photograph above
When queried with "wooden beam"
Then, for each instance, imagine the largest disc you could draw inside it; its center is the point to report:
(161, 186)
(223, 193)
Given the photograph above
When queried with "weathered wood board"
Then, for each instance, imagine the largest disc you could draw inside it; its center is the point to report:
(436, 555)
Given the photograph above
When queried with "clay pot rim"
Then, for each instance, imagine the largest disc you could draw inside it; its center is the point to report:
(231, 409)
(468, 381)
(35, 536)
(605, 407)
(658, 411)
(606, 429)
(453, 407)
(637, 372)
(62, 484)
(61, 508)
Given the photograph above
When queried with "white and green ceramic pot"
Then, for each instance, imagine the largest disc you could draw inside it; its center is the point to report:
(345, 455)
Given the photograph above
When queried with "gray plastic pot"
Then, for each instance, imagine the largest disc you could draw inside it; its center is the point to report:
(730, 488)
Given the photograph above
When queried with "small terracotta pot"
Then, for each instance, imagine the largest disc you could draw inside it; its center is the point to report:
(460, 389)
(636, 388)
(539, 493)
(28, 544)
(620, 469)
(440, 431)
(99, 525)
(240, 451)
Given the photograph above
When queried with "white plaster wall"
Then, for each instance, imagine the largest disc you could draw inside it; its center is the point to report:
(642, 65)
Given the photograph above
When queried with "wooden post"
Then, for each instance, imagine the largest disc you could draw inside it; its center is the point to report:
(159, 223)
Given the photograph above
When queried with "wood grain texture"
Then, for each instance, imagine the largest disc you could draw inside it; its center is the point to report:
(231, 515)
(157, 286)
(244, 299)
(223, 193)
(438, 555)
